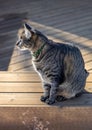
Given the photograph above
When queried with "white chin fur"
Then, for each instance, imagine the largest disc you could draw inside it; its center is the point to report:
(22, 48)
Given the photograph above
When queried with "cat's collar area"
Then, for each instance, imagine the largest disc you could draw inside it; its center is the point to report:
(37, 53)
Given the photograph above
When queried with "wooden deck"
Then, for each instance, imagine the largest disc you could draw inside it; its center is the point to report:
(64, 22)
(24, 89)
(20, 87)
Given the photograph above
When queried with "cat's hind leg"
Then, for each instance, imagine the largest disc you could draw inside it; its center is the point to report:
(66, 95)
(60, 98)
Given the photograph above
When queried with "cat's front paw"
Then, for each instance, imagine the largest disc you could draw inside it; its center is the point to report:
(44, 98)
(50, 102)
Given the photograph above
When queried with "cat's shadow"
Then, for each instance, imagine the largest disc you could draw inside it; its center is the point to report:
(81, 101)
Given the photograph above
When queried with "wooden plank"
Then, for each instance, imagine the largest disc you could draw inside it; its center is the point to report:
(29, 87)
(15, 53)
(83, 100)
(19, 77)
(90, 70)
(85, 51)
(89, 78)
(34, 99)
(52, 118)
(58, 23)
(17, 59)
(27, 69)
(20, 99)
(7, 48)
(87, 57)
(63, 35)
(88, 87)
(20, 65)
(81, 27)
(25, 76)
(21, 87)
(55, 24)
(88, 65)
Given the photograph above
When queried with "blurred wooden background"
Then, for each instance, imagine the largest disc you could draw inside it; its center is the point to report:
(20, 87)
(63, 21)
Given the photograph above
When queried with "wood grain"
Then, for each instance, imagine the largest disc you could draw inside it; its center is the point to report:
(30, 99)
(67, 24)
(25, 76)
(20, 87)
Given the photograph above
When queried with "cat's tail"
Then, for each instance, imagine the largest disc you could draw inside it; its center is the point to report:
(66, 90)
(71, 88)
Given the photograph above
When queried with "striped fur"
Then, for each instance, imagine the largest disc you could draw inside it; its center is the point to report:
(60, 66)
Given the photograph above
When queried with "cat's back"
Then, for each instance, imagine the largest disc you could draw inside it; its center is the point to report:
(66, 48)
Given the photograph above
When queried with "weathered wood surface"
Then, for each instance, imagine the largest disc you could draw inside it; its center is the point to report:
(66, 118)
(61, 21)
(64, 21)
(25, 89)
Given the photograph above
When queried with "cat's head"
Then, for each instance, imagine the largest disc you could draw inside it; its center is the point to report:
(28, 36)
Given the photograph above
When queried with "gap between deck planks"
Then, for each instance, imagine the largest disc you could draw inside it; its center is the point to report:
(25, 89)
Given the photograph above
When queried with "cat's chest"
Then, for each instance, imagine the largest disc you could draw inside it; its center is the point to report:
(40, 70)
(37, 67)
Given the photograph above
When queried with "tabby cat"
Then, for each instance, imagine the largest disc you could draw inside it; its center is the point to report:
(60, 66)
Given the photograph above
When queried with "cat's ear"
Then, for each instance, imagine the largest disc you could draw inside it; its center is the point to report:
(29, 30)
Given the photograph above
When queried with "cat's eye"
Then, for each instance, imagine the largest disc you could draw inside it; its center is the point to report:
(21, 37)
